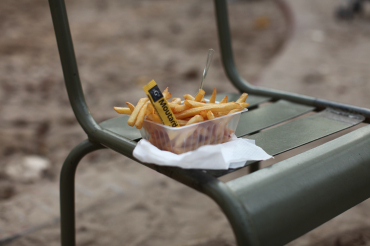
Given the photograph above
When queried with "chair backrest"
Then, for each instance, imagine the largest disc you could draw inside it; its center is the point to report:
(243, 86)
(76, 96)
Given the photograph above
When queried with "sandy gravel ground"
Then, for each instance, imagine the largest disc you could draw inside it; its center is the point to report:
(120, 45)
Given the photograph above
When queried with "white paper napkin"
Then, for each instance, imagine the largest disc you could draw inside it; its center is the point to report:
(232, 154)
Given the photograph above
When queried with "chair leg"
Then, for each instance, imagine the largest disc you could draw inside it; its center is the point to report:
(220, 193)
(234, 211)
(67, 190)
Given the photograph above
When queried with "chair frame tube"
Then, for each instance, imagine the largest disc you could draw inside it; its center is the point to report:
(69, 65)
(67, 190)
(196, 179)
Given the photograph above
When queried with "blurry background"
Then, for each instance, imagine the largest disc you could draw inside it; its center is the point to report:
(122, 44)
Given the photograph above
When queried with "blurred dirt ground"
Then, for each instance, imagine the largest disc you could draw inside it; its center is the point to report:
(120, 46)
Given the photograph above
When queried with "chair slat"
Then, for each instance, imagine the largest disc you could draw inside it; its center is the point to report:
(304, 130)
(269, 115)
(299, 132)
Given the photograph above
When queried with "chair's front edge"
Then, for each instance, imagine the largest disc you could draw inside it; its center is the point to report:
(69, 65)
(307, 190)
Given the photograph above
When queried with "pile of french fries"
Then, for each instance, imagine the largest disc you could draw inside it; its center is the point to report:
(193, 110)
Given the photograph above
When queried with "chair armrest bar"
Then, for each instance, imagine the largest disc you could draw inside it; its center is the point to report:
(229, 64)
(244, 86)
(69, 65)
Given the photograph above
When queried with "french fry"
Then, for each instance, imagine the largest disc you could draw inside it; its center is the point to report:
(203, 113)
(150, 109)
(192, 141)
(182, 138)
(220, 131)
(155, 118)
(194, 104)
(224, 100)
(166, 94)
(176, 100)
(179, 108)
(131, 121)
(213, 97)
(242, 98)
(200, 95)
(190, 105)
(235, 110)
(182, 122)
(188, 97)
(228, 132)
(173, 105)
(195, 119)
(244, 105)
(132, 107)
(210, 115)
(203, 132)
(214, 108)
(219, 114)
(121, 110)
(141, 116)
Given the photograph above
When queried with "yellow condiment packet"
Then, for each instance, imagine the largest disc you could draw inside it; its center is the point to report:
(160, 104)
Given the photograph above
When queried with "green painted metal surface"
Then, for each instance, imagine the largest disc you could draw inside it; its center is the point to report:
(119, 125)
(296, 195)
(269, 115)
(67, 188)
(304, 130)
(299, 132)
(69, 65)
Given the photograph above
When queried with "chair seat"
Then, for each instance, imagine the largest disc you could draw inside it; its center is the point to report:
(269, 115)
(284, 137)
(304, 130)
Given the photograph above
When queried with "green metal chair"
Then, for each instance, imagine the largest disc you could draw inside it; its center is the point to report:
(271, 206)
